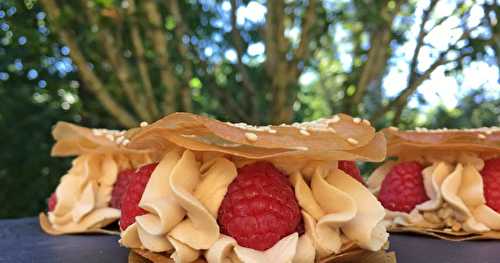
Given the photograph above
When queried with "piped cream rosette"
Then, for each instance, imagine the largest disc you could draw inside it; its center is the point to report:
(200, 159)
(453, 160)
(83, 194)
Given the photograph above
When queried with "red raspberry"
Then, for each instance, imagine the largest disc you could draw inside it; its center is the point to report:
(350, 168)
(259, 207)
(491, 183)
(403, 187)
(52, 202)
(119, 188)
(131, 197)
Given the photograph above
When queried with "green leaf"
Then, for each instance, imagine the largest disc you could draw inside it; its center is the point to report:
(195, 83)
(350, 90)
(104, 3)
(170, 23)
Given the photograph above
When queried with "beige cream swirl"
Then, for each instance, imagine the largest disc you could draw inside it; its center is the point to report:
(84, 193)
(456, 199)
(182, 199)
(289, 249)
(186, 189)
(226, 249)
(200, 229)
(163, 210)
(355, 212)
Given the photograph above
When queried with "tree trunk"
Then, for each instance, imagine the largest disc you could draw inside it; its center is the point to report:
(89, 78)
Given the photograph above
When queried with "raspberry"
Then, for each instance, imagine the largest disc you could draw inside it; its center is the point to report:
(131, 197)
(491, 183)
(52, 202)
(403, 187)
(350, 168)
(120, 187)
(259, 207)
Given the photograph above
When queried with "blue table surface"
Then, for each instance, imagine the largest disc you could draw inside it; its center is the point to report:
(21, 240)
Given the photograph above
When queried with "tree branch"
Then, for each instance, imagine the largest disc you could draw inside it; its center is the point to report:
(91, 81)
(180, 31)
(441, 20)
(283, 81)
(494, 27)
(308, 19)
(287, 72)
(160, 47)
(120, 66)
(378, 55)
(414, 79)
(420, 38)
(397, 115)
(245, 76)
(269, 37)
(141, 60)
(230, 106)
(402, 98)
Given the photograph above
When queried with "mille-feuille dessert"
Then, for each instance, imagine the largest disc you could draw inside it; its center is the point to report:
(444, 183)
(197, 189)
(88, 197)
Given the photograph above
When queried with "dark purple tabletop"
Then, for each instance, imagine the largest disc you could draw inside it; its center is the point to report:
(21, 240)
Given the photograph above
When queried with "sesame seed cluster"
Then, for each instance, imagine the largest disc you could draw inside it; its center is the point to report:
(482, 133)
(115, 136)
(304, 128)
(249, 127)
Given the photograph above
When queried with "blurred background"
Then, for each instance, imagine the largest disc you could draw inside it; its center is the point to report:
(115, 63)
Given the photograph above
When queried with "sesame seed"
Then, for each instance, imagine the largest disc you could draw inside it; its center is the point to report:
(330, 129)
(304, 132)
(486, 130)
(334, 119)
(120, 139)
(251, 136)
(481, 136)
(301, 148)
(271, 131)
(356, 120)
(97, 132)
(143, 124)
(125, 142)
(367, 122)
(110, 137)
(352, 141)
(248, 127)
(392, 128)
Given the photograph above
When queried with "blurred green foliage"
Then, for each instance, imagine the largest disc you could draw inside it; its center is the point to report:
(36, 87)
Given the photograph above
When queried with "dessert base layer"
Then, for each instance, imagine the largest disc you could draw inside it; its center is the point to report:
(352, 254)
(446, 235)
